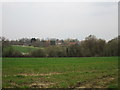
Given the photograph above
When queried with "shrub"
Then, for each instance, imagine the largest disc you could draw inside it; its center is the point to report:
(56, 51)
(38, 53)
(10, 52)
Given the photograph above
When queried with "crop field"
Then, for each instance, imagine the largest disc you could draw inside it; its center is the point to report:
(79, 72)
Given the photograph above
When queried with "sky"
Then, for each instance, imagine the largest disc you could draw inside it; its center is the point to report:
(60, 20)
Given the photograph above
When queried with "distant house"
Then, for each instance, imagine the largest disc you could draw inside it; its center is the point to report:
(47, 43)
(73, 43)
(58, 42)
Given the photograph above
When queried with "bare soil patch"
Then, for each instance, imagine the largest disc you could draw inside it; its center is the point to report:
(40, 85)
(48, 74)
(98, 83)
(32, 74)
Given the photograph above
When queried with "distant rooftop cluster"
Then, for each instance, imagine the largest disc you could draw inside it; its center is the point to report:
(43, 42)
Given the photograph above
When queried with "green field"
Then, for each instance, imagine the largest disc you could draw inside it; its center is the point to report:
(86, 72)
(24, 49)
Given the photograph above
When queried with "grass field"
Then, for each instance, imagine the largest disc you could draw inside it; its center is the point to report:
(86, 72)
(24, 49)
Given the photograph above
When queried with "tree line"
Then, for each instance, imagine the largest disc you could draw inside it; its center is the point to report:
(90, 47)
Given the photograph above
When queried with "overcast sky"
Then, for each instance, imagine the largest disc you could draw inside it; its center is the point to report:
(60, 20)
